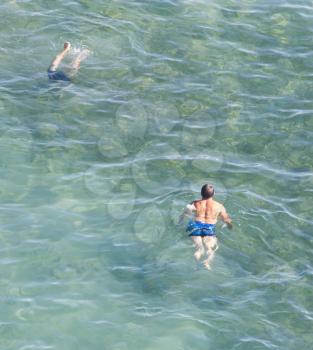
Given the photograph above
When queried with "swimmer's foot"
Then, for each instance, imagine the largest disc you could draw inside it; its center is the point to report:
(79, 58)
(67, 46)
(207, 265)
(83, 54)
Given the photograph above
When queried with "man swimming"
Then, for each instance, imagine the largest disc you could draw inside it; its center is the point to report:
(54, 74)
(202, 229)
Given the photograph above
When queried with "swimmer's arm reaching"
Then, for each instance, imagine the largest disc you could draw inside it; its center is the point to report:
(188, 211)
(226, 218)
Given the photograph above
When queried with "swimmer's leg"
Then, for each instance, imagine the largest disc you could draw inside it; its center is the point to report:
(210, 243)
(197, 241)
(59, 57)
(77, 61)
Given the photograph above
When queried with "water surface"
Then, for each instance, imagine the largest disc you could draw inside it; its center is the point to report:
(94, 174)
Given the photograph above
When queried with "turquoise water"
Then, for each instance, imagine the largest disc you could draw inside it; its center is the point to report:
(94, 174)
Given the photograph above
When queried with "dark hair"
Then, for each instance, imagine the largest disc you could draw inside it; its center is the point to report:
(207, 191)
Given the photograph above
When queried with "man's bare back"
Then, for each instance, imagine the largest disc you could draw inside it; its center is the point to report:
(208, 210)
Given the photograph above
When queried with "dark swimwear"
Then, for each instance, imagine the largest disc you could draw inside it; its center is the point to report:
(198, 228)
(57, 75)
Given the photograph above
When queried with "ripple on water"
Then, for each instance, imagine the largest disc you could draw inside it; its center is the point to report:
(122, 204)
(163, 115)
(132, 119)
(16, 151)
(102, 179)
(150, 226)
(111, 147)
(147, 165)
(198, 129)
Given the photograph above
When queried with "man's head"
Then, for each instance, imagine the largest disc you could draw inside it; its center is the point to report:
(207, 191)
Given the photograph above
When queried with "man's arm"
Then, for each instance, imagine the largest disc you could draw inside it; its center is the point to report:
(188, 211)
(226, 218)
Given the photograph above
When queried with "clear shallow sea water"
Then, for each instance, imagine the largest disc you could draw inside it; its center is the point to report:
(94, 174)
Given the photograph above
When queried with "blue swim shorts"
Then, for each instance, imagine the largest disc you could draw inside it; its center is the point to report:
(198, 228)
(57, 75)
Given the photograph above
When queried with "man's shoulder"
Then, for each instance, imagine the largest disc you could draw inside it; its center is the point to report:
(218, 204)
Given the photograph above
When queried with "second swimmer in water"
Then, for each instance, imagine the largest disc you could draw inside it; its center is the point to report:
(202, 229)
(55, 74)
